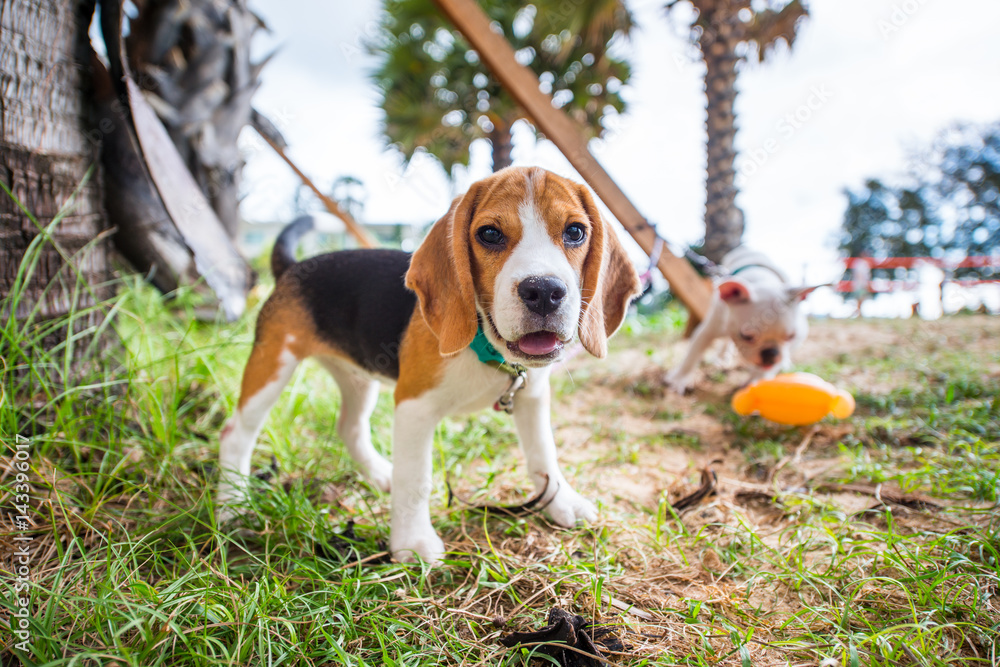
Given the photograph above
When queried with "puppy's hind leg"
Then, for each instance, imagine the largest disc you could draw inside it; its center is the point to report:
(358, 396)
(268, 370)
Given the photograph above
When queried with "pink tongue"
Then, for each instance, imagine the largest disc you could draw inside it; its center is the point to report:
(538, 343)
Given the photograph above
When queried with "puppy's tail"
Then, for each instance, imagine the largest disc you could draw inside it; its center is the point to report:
(283, 255)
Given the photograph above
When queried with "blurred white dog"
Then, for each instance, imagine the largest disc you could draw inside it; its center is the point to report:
(757, 308)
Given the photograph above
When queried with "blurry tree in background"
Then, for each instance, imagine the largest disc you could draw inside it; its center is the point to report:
(726, 33)
(950, 209)
(883, 221)
(437, 95)
(968, 186)
(349, 191)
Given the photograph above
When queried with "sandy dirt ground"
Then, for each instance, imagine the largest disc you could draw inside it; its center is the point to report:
(635, 446)
(652, 439)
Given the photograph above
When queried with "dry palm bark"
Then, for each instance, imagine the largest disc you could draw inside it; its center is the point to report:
(164, 192)
(192, 58)
(722, 31)
(50, 136)
(45, 154)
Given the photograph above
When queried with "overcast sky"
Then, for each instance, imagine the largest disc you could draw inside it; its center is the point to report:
(867, 82)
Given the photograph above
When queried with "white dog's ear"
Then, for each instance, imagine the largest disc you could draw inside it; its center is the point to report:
(609, 282)
(734, 291)
(799, 294)
(441, 275)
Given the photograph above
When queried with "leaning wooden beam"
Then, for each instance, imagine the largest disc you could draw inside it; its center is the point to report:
(275, 141)
(692, 290)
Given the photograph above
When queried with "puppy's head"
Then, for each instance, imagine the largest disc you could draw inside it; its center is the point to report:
(524, 254)
(765, 320)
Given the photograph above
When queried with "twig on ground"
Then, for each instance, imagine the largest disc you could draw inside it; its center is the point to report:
(709, 482)
(797, 456)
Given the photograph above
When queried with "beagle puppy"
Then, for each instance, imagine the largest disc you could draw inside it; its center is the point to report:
(522, 263)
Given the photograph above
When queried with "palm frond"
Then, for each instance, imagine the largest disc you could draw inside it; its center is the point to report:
(439, 97)
(769, 27)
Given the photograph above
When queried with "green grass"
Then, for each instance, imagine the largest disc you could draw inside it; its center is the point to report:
(128, 567)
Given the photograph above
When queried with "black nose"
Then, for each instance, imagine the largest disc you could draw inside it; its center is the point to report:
(542, 294)
(769, 355)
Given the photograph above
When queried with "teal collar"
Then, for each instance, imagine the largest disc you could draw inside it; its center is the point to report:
(489, 355)
(484, 349)
(758, 266)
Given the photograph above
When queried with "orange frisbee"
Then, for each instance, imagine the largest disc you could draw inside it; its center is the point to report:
(794, 399)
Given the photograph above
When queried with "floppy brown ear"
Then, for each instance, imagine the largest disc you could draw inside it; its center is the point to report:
(609, 282)
(441, 275)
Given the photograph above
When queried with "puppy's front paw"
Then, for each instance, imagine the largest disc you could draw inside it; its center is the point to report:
(409, 545)
(568, 507)
(678, 383)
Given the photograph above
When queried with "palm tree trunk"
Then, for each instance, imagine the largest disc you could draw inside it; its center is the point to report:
(500, 138)
(722, 31)
(45, 152)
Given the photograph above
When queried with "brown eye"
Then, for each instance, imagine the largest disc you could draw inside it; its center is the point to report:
(490, 236)
(574, 234)
(748, 338)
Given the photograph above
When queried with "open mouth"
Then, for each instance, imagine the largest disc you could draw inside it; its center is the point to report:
(535, 345)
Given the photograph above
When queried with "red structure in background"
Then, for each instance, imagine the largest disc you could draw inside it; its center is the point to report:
(864, 282)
